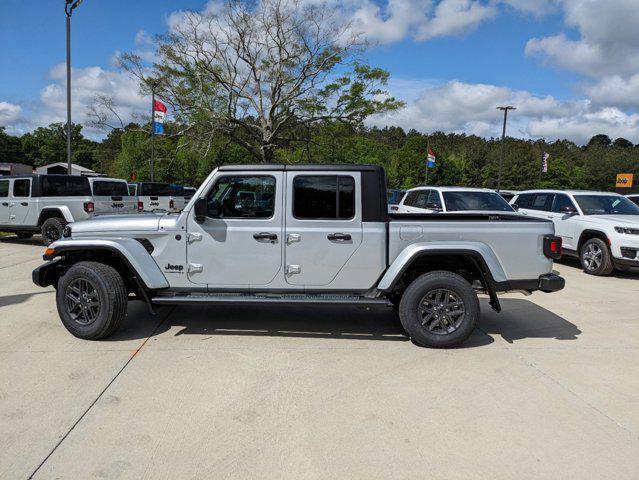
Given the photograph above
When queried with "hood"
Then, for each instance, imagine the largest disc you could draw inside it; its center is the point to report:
(119, 223)
(619, 220)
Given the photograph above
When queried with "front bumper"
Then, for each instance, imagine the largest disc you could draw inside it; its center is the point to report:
(47, 274)
(551, 282)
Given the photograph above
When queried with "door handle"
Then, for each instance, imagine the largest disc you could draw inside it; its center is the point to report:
(339, 237)
(24, 204)
(265, 236)
(5, 204)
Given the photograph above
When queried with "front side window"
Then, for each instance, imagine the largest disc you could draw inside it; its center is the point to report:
(4, 188)
(476, 201)
(562, 204)
(542, 201)
(242, 197)
(22, 188)
(606, 205)
(107, 188)
(324, 197)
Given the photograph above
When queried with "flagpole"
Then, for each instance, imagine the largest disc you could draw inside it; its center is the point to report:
(152, 132)
(427, 153)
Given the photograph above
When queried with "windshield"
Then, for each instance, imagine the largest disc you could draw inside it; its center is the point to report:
(606, 205)
(486, 201)
(107, 188)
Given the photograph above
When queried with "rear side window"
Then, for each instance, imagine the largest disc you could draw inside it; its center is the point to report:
(4, 188)
(22, 188)
(542, 201)
(325, 197)
(155, 189)
(524, 200)
(107, 188)
(65, 186)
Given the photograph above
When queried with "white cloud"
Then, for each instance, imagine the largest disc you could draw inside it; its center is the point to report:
(86, 83)
(608, 43)
(455, 17)
(9, 113)
(615, 90)
(471, 108)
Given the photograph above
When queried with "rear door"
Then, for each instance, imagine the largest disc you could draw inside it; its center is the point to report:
(21, 200)
(239, 244)
(323, 226)
(4, 202)
(565, 223)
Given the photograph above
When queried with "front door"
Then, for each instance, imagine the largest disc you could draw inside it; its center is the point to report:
(21, 200)
(323, 225)
(239, 244)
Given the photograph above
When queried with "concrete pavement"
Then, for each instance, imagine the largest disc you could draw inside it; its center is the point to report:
(546, 389)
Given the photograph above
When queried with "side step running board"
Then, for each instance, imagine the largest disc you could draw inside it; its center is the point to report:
(259, 299)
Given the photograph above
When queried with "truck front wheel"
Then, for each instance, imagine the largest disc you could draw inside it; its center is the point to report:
(439, 309)
(92, 300)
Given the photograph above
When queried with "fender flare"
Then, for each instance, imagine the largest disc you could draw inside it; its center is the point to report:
(482, 254)
(129, 250)
(63, 209)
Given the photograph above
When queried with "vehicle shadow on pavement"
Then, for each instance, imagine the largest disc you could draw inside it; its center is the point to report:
(20, 298)
(522, 318)
(575, 263)
(37, 241)
(519, 319)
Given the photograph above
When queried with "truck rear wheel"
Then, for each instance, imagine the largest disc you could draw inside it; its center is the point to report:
(92, 300)
(52, 229)
(439, 309)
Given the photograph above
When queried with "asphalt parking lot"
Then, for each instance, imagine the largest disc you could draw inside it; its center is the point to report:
(549, 388)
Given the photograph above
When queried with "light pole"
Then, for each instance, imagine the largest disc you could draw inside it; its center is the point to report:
(69, 6)
(503, 136)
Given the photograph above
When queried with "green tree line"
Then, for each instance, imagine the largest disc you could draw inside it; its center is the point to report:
(464, 160)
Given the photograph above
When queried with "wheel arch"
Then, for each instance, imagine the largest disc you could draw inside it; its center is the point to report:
(59, 211)
(590, 233)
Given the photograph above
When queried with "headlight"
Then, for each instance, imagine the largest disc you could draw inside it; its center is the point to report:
(627, 230)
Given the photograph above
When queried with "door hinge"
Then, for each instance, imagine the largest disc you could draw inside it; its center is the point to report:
(193, 237)
(195, 268)
(292, 238)
(293, 269)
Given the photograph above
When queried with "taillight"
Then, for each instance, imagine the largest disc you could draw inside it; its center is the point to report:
(140, 206)
(171, 203)
(89, 207)
(552, 247)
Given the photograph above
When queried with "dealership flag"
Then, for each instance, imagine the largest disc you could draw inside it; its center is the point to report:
(431, 159)
(159, 112)
(544, 162)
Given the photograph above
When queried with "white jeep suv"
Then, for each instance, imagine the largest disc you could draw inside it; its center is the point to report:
(600, 228)
(452, 199)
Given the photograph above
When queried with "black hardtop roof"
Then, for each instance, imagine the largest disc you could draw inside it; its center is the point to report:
(271, 167)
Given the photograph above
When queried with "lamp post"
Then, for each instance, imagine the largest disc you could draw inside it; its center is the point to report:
(69, 6)
(501, 147)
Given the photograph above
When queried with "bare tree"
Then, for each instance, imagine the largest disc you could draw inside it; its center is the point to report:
(262, 73)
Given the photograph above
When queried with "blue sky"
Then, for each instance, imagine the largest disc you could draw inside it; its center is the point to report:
(571, 66)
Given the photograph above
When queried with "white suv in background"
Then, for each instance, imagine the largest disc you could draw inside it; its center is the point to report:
(452, 199)
(600, 228)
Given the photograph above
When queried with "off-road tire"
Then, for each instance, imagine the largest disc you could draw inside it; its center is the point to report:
(51, 225)
(110, 291)
(599, 248)
(415, 301)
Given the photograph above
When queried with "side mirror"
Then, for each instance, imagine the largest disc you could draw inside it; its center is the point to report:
(434, 206)
(201, 210)
(515, 207)
(568, 210)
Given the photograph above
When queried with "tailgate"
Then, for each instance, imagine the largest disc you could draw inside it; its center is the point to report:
(114, 205)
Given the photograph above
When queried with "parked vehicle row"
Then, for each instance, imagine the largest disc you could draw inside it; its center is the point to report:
(313, 234)
(452, 199)
(45, 204)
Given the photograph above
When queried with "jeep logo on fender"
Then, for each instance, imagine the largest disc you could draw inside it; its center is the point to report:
(173, 268)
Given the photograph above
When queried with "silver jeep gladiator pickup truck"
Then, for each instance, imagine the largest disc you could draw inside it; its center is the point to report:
(314, 234)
